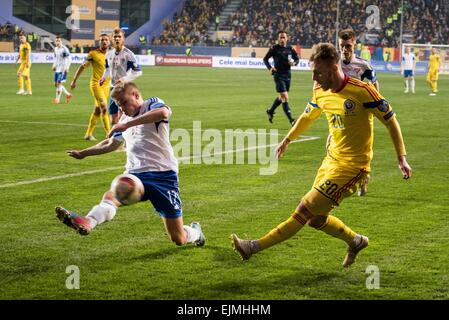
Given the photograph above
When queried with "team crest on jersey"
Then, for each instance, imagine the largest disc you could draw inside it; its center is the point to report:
(307, 109)
(349, 106)
(383, 106)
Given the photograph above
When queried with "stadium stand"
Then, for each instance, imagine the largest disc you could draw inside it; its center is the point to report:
(191, 25)
(256, 22)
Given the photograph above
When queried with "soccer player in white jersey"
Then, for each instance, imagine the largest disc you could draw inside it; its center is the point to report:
(150, 157)
(352, 65)
(122, 66)
(408, 65)
(358, 68)
(61, 66)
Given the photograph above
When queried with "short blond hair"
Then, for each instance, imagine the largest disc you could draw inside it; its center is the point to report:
(119, 90)
(118, 30)
(325, 52)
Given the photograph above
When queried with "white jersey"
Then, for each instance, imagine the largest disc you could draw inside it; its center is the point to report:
(62, 59)
(408, 61)
(359, 68)
(119, 63)
(148, 146)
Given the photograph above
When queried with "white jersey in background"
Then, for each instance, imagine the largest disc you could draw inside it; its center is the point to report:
(359, 68)
(408, 61)
(121, 64)
(62, 59)
(148, 146)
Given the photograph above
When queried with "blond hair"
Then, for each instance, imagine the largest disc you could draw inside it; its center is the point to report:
(118, 30)
(325, 52)
(119, 90)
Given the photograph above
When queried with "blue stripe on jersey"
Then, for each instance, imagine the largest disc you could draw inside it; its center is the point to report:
(117, 136)
(313, 104)
(106, 63)
(132, 65)
(155, 103)
(374, 104)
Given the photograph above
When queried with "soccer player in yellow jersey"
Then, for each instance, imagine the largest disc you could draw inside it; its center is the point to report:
(432, 73)
(25, 65)
(350, 106)
(96, 58)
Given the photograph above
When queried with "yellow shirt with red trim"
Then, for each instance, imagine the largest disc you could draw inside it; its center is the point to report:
(350, 113)
(24, 52)
(434, 62)
(96, 58)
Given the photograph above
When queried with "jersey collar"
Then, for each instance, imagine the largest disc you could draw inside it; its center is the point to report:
(343, 85)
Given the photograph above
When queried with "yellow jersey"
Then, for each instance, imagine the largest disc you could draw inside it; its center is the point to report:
(350, 113)
(97, 59)
(24, 52)
(434, 62)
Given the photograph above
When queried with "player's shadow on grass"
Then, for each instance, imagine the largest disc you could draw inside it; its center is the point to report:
(162, 253)
(298, 281)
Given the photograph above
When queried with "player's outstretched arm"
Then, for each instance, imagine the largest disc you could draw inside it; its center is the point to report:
(301, 125)
(105, 146)
(396, 136)
(148, 117)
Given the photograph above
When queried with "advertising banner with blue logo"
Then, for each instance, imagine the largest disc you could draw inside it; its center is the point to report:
(395, 67)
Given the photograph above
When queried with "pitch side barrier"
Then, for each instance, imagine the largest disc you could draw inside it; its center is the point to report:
(209, 61)
(48, 57)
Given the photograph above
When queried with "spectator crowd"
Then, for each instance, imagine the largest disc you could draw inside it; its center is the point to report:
(257, 22)
(191, 24)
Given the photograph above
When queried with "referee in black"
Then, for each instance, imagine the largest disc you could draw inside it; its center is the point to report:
(284, 57)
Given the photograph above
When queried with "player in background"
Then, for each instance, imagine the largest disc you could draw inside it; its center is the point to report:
(408, 65)
(61, 67)
(121, 65)
(349, 105)
(144, 126)
(352, 65)
(433, 71)
(284, 57)
(25, 65)
(358, 68)
(96, 59)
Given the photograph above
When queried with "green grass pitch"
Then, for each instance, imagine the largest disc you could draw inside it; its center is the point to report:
(131, 257)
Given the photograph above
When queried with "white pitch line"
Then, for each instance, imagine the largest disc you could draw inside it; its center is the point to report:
(70, 175)
(9, 185)
(45, 123)
(84, 125)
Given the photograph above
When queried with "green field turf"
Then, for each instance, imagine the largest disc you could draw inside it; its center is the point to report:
(131, 257)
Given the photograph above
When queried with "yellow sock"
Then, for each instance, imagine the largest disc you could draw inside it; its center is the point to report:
(106, 122)
(434, 86)
(92, 123)
(336, 228)
(28, 84)
(20, 80)
(283, 231)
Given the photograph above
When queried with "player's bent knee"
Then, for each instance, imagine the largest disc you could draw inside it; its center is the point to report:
(317, 221)
(302, 209)
(103, 110)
